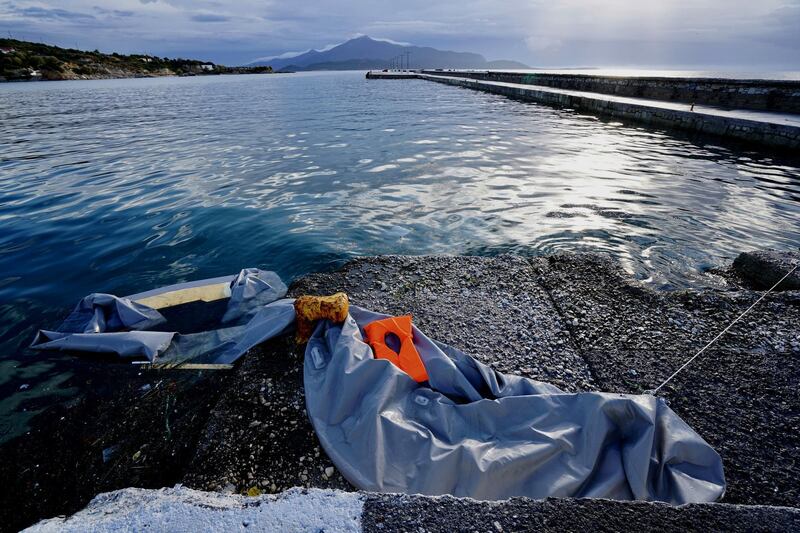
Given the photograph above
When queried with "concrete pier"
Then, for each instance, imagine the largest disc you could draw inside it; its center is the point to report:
(768, 128)
(781, 96)
(392, 74)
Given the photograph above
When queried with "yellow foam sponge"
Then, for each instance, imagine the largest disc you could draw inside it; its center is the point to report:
(309, 309)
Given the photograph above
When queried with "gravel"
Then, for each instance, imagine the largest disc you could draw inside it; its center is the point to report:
(490, 308)
(577, 321)
(740, 395)
(258, 435)
(392, 512)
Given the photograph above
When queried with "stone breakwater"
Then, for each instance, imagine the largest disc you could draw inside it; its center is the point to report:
(766, 128)
(763, 95)
(577, 321)
(784, 136)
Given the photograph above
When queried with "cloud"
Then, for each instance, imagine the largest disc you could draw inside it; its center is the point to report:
(783, 26)
(537, 32)
(209, 17)
(37, 12)
(285, 55)
(291, 54)
(113, 12)
(411, 26)
(384, 39)
(542, 43)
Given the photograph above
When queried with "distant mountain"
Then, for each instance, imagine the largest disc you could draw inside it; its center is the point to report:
(364, 53)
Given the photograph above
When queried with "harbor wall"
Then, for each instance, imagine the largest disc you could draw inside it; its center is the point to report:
(762, 95)
(391, 75)
(765, 133)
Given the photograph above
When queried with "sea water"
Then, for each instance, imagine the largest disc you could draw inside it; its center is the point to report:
(120, 186)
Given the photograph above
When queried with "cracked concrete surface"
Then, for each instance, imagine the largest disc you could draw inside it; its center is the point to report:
(577, 321)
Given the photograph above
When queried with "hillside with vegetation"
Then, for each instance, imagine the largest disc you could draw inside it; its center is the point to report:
(22, 60)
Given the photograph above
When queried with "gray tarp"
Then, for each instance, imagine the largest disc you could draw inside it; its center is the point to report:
(102, 323)
(469, 431)
(479, 433)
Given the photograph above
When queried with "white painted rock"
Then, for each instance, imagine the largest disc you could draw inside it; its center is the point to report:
(183, 509)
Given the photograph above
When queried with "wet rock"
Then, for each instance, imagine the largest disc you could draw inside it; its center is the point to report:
(763, 269)
(259, 428)
(109, 452)
(111, 435)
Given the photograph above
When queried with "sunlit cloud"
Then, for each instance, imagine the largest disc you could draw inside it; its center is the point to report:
(677, 33)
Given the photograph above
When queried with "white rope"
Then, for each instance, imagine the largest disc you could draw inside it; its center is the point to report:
(723, 332)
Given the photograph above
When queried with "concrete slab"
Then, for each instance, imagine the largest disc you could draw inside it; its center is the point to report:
(779, 130)
(741, 114)
(315, 510)
(391, 75)
(490, 308)
(575, 320)
(395, 512)
(740, 395)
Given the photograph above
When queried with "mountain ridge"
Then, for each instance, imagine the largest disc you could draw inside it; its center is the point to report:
(365, 52)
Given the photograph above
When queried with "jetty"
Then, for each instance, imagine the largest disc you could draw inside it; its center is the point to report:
(763, 112)
(247, 431)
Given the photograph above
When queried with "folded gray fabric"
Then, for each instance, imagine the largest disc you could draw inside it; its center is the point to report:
(475, 432)
(126, 344)
(251, 289)
(99, 313)
(467, 431)
(103, 323)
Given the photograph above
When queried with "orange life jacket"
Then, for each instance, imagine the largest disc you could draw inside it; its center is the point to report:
(408, 360)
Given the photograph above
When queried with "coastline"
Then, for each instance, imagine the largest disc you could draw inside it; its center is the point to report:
(574, 320)
(29, 61)
(745, 111)
(139, 76)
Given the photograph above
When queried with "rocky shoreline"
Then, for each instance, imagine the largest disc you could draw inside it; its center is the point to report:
(29, 61)
(125, 75)
(574, 320)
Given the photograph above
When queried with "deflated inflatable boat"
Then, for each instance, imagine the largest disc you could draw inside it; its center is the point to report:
(467, 431)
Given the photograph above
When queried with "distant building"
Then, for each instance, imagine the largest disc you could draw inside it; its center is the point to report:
(207, 66)
(146, 59)
(7, 50)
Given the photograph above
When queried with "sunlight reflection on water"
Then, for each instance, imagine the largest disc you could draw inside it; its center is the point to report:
(123, 185)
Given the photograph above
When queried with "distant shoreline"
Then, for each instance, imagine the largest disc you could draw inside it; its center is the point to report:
(27, 61)
(131, 77)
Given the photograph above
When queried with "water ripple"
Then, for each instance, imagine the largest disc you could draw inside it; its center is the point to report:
(123, 185)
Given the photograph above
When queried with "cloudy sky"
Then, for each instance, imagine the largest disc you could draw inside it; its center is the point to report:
(749, 34)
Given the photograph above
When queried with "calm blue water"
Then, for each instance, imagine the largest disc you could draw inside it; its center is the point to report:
(123, 185)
